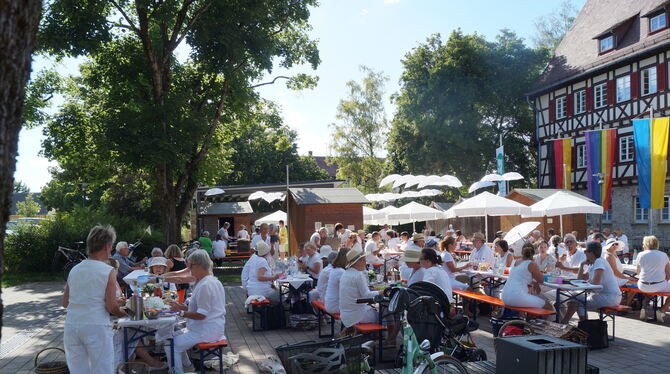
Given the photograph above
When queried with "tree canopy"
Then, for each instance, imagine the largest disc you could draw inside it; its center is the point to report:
(550, 28)
(138, 110)
(456, 98)
(358, 138)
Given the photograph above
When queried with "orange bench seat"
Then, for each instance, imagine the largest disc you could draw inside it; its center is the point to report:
(367, 328)
(220, 343)
(498, 302)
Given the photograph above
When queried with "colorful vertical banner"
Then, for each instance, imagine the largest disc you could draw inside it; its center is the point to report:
(651, 154)
(600, 154)
(500, 166)
(563, 163)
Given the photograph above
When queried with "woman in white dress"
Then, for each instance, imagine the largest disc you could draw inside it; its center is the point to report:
(447, 248)
(506, 256)
(600, 273)
(260, 274)
(332, 299)
(524, 273)
(434, 273)
(544, 260)
(653, 269)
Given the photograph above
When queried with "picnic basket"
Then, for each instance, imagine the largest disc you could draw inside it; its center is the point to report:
(290, 355)
(50, 367)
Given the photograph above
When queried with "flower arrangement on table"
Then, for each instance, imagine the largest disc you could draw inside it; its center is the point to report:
(372, 275)
(149, 288)
(154, 302)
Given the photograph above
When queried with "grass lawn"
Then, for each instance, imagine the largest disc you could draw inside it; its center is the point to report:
(12, 279)
(229, 278)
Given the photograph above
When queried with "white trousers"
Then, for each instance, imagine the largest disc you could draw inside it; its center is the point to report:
(183, 343)
(89, 349)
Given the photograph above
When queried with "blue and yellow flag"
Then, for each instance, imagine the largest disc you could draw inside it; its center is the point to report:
(651, 153)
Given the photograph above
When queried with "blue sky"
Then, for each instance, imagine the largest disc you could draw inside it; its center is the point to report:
(375, 33)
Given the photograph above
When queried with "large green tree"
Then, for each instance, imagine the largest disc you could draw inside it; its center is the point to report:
(359, 135)
(456, 98)
(550, 28)
(164, 117)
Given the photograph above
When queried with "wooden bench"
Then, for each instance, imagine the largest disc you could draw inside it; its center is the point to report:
(320, 311)
(373, 328)
(536, 312)
(211, 349)
(610, 312)
(653, 295)
(260, 308)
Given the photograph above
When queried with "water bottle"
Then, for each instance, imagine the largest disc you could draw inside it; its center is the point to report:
(496, 264)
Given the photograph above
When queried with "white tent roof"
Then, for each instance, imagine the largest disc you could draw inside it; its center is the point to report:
(373, 216)
(485, 204)
(272, 218)
(414, 212)
(562, 203)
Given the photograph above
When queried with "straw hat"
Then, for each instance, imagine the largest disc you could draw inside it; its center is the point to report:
(478, 236)
(158, 261)
(325, 250)
(411, 255)
(417, 237)
(612, 241)
(262, 248)
(353, 256)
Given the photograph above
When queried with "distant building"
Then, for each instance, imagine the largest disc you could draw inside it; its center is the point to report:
(610, 68)
(321, 163)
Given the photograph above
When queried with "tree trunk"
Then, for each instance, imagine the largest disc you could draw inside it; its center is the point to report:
(18, 26)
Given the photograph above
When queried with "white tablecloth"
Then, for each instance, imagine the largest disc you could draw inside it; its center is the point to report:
(164, 326)
(132, 277)
(295, 282)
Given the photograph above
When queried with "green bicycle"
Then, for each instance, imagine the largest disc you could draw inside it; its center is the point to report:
(415, 354)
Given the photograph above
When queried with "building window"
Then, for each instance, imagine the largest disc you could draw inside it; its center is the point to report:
(607, 215)
(606, 43)
(580, 101)
(561, 107)
(600, 95)
(581, 156)
(641, 215)
(657, 23)
(665, 212)
(623, 89)
(649, 81)
(626, 148)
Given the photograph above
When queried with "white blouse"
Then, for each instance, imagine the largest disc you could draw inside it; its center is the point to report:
(353, 286)
(437, 275)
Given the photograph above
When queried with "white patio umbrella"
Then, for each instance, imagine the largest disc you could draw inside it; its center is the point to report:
(214, 191)
(414, 212)
(492, 178)
(410, 194)
(272, 196)
(402, 180)
(272, 218)
(512, 176)
(430, 192)
(561, 203)
(256, 195)
(478, 185)
(387, 210)
(373, 216)
(415, 181)
(520, 231)
(389, 179)
(487, 204)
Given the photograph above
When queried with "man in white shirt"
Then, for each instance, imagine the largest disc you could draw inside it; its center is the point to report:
(342, 233)
(319, 237)
(622, 237)
(243, 233)
(372, 250)
(607, 234)
(223, 231)
(574, 256)
(262, 236)
(418, 242)
(481, 252)
(382, 233)
(354, 286)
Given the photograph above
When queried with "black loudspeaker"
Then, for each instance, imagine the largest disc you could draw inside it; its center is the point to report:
(597, 331)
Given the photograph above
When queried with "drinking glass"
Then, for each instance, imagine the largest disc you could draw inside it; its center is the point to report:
(626, 259)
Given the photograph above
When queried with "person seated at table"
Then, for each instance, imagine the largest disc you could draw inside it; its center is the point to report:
(410, 268)
(433, 272)
(556, 247)
(459, 236)
(311, 263)
(332, 296)
(159, 267)
(175, 255)
(126, 265)
(319, 237)
(524, 274)
(418, 242)
(573, 257)
(354, 286)
(342, 233)
(447, 248)
(544, 260)
(372, 250)
(206, 311)
(205, 242)
(352, 242)
(244, 277)
(481, 253)
(243, 233)
(503, 250)
(653, 270)
(90, 296)
(610, 249)
(219, 247)
(599, 273)
(260, 274)
(327, 256)
(393, 241)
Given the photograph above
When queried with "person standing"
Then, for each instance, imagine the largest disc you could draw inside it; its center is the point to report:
(223, 231)
(206, 242)
(319, 237)
(243, 233)
(263, 235)
(624, 239)
(283, 239)
(89, 297)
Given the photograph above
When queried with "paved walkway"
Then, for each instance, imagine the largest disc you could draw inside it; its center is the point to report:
(34, 320)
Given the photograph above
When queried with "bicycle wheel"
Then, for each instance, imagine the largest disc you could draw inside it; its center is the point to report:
(444, 365)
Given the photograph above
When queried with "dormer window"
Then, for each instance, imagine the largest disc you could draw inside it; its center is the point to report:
(658, 22)
(606, 44)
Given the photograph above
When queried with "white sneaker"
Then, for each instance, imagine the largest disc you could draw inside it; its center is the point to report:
(643, 314)
(660, 316)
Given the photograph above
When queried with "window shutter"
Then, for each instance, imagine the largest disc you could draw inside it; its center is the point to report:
(635, 84)
(552, 110)
(661, 76)
(589, 99)
(568, 104)
(611, 92)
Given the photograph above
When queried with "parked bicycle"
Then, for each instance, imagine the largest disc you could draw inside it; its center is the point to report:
(69, 258)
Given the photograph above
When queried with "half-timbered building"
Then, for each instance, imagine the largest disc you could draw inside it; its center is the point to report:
(610, 68)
